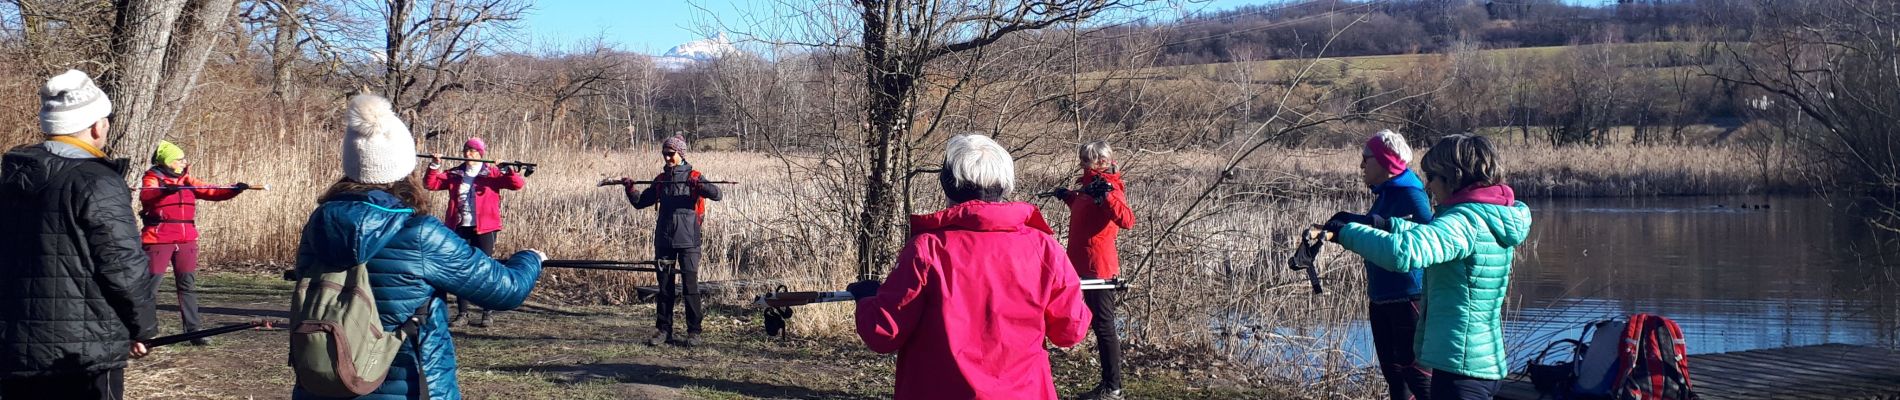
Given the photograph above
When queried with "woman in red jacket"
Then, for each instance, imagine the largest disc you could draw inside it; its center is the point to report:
(1098, 211)
(976, 290)
(168, 199)
(474, 203)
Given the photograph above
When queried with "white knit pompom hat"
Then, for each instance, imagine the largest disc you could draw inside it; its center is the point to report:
(377, 147)
(70, 103)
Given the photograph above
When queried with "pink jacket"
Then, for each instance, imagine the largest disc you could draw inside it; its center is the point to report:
(966, 308)
(488, 187)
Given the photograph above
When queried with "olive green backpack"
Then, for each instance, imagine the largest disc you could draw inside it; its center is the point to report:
(337, 344)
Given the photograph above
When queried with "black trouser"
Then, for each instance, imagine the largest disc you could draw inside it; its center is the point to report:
(1450, 386)
(484, 242)
(1109, 346)
(1393, 325)
(686, 265)
(104, 385)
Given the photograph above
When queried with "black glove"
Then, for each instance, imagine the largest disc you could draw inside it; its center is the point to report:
(1098, 189)
(1060, 193)
(170, 188)
(1340, 219)
(696, 183)
(862, 289)
(241, 186)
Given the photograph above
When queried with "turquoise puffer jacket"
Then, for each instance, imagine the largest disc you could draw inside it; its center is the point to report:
(1466, 252)
(411, 259)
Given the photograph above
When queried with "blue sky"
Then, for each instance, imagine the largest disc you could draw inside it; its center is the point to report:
(652, 26)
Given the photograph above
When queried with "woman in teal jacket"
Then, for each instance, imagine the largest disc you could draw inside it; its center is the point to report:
(1465, 251)
(377, 215)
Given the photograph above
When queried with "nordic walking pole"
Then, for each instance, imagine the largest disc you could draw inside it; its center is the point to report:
(527, 168)
(1104, 284)
(256, 187)
(603, 265)
(606, 265)
(200, 334)
(789, 299)
(611, 182)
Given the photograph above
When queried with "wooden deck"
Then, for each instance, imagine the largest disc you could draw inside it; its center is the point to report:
(1828, 371)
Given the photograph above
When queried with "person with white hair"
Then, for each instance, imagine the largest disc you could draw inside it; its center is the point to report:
(1384, 165)
(76, 303)
(1098, 211)
(976, 290)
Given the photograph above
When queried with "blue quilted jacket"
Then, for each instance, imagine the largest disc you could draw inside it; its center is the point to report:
(1401, 197)
(411, 259)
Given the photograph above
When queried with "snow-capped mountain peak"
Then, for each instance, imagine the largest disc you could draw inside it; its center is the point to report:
(697, 51)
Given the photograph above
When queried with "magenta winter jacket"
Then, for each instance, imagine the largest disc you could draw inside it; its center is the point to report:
(974, 294)
(488, 189)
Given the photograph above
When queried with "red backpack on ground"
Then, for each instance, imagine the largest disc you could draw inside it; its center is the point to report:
(1651, 363)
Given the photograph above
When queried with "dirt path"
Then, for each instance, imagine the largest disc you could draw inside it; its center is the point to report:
(569, 353)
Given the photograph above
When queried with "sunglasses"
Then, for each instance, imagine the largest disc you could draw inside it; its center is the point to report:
(668, 154)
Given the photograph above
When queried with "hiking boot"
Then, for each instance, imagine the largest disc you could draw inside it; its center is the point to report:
(659, 338)
(692, 340)
(1102, 393)
(201, 342)
(485, 321)
(454, 319)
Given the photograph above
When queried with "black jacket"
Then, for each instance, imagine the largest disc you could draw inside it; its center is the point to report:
(74, 290)
(682, 206)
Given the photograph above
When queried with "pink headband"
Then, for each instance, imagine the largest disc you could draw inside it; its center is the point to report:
(1387, 158)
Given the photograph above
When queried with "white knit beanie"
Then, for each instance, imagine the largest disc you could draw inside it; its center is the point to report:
(377, 147)
(70, 103)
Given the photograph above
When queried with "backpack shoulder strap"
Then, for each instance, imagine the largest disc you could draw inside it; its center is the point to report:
(413, 328)
(1673, 359)
(699, 203)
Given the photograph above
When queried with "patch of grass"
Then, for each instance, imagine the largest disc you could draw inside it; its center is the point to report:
(588, 352)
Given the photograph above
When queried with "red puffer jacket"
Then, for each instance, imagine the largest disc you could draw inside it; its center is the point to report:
(169, 217)
(1093, 227)
(488, 186)
(974, 293)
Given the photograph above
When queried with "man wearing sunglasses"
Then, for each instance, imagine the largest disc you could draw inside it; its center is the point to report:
(681, 194)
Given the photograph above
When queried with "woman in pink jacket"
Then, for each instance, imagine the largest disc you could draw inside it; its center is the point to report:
(976, 290)
(474, 203)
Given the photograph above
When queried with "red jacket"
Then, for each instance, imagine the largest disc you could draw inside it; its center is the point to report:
(488, 187)
(1093, 227)
(169, 217)
(966, 308)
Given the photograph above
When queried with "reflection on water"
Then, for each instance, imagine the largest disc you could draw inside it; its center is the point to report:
(1738, 273)
(1794, 273)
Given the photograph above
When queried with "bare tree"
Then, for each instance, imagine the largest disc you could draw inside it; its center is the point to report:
(61, 34)
(428, 44)
(1833, 63)
(158, 48)
(899, 41)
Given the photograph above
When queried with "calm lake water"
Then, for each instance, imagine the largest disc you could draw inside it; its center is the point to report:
(1797, 272)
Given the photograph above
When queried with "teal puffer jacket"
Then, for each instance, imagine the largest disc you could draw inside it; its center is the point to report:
(412, 260)
(1466, 252)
